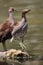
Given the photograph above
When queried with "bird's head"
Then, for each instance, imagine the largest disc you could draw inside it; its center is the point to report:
(26, 11)
(12, 9)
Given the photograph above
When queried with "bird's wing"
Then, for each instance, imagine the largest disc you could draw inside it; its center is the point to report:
(19, 26)
(4, 25)
(25, 26)
(5, 33)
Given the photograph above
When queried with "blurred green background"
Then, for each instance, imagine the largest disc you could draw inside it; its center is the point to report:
(34, 37)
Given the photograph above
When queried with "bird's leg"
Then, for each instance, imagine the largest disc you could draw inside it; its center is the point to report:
(4, 46)
(22, 45)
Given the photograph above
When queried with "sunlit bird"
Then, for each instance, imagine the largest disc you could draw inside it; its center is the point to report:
(21, 28)
(5, 27)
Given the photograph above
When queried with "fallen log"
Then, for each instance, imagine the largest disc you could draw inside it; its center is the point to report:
(13, 55)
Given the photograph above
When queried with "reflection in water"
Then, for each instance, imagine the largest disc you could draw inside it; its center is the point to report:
(34, 63)
(26, 63)
(30, 63)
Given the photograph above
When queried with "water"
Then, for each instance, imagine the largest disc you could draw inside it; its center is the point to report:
(34, 37)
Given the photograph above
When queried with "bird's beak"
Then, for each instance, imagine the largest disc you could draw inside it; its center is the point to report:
(27, 10)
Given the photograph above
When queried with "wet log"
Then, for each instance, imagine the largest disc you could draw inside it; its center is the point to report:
(13, 55)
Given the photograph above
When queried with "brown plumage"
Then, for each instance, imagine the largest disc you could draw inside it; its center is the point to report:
(11, 29)
(6, 27)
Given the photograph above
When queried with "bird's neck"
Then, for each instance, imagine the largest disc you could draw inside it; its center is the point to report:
(24, 17)
(10, 16)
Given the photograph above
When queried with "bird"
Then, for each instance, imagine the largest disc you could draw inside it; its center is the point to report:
(6, 27)
(16, 30)
(20, 29)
